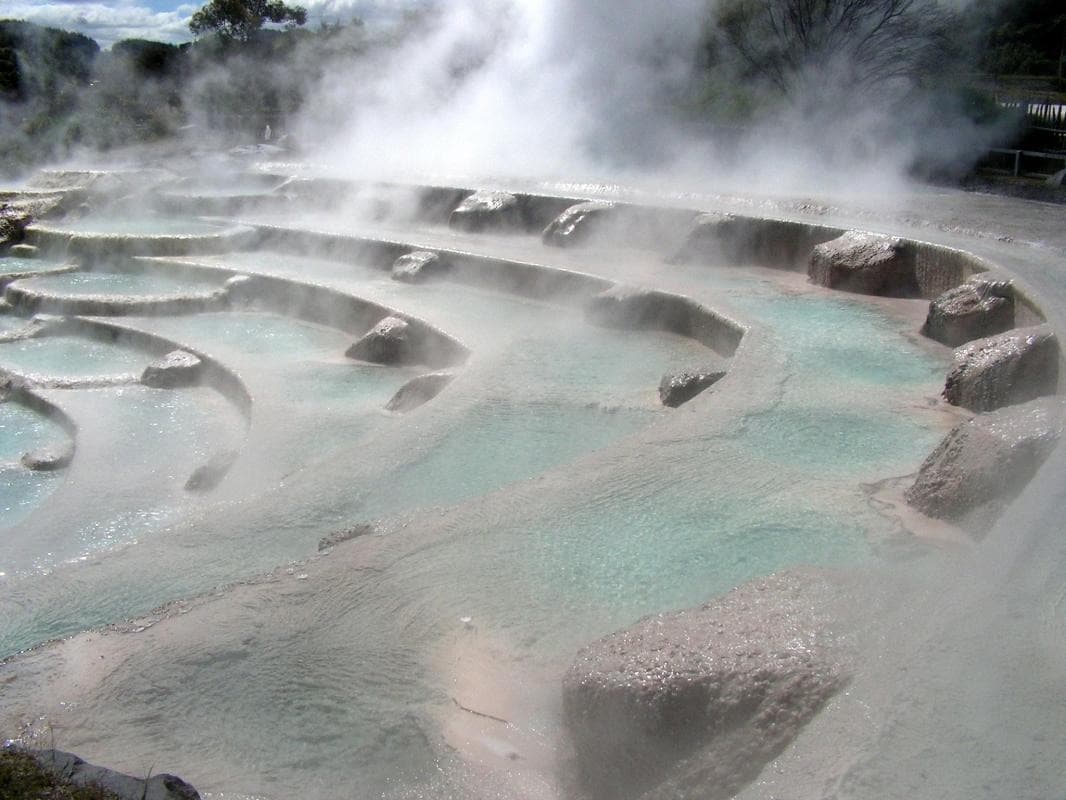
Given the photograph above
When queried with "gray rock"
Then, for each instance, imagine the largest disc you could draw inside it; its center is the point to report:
(485, 210)
(715, 233)
(48, 459)
(388, 342)
(677, 388)
(419, 390)
(12, 226)
(970, 311)
(694, 703)
(23, 251)
(177, 368)
(577, 224)
(623, 307)
(866, 263)
(984, 463)
(1005, 369)
(363, 529)
(418, 266)
(207, 476)
(69, 767)
(241, 290)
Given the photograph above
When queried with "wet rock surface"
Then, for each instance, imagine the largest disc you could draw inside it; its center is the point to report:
(48, 459)
(677, 388)
(865, 263)
(70, 767)
(984, 463)
(973, 310)
(177, 368)
(207, 476)
(577, 224)
(388, 342)
(694, 703)
(419, 390)
(1012, 367)
(418, 267)
(485, 210)
(623, 306)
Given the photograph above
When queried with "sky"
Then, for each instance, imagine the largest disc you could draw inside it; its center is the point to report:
(108, 21)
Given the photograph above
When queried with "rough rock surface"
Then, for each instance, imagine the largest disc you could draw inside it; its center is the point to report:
(419, 390)
(1002, 370)
(485, 210)
(623, 307)
(677, 388)
(48, 459)
(419, 266)
(694, 703)
(207, 476)
(24, 251)
(983, 463)
(866, 263)
(575, 225)
(12, 226)
(69, 767)
(177, 368)
(713, 232)
(388, 342)
(972, 310)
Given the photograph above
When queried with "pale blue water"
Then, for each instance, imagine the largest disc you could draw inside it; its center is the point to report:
(79, 284)
(21, 490)
(70, 357)
(12, 265)
(137, 226)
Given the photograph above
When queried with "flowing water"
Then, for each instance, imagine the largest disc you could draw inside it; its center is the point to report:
(81, 284)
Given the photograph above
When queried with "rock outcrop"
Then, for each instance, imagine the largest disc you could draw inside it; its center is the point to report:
(485, 210)
(68, 767)
(176, 369)
(577, 224)
(623, 307)
(865, 263)
(972, 310)
(694, 703)
(418, 267)
(984, 463)
(48, 459)
(208, 475)
(419, 390)
(677, 388)
(1012, 367)
(388, 342)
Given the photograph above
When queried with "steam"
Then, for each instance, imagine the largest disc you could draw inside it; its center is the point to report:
(588, 88)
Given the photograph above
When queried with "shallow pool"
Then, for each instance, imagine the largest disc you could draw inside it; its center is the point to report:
(71, 357)
(81, 284)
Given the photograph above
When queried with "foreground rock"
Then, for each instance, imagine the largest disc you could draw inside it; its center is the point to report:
(484, 210)
(68, 767)
(577, 224)
(177, 368)
(1002, 370)
(677, 388)
(418, 267)
(866, 263)
(48, 459)
(418, 391)
(984, 463)
(972, 310)
(694, 703)
(388, 342)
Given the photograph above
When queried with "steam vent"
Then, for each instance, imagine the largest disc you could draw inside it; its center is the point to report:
(326, 488)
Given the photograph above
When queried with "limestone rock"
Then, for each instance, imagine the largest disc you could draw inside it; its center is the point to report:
(485, 210)
(69, 767)
(677, 388)
(623, 306)
(984, 463)
(12, 226)
(694, 703)
(388, 342)
(418, 266)
(866, 263)
(419, 390)
(1002, 370)
(207, 476)
(48, 459)
(23, 251)
(575, 225)
(177, 368)
(970, 311)
(715, 233)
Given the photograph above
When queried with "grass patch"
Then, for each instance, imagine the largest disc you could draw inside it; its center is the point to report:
(23, 778)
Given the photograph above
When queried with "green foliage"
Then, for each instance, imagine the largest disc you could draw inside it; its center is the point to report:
(22, 778)
(240, 20)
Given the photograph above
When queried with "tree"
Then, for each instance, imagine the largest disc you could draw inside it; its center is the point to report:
(860, 45)
(239, 20)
